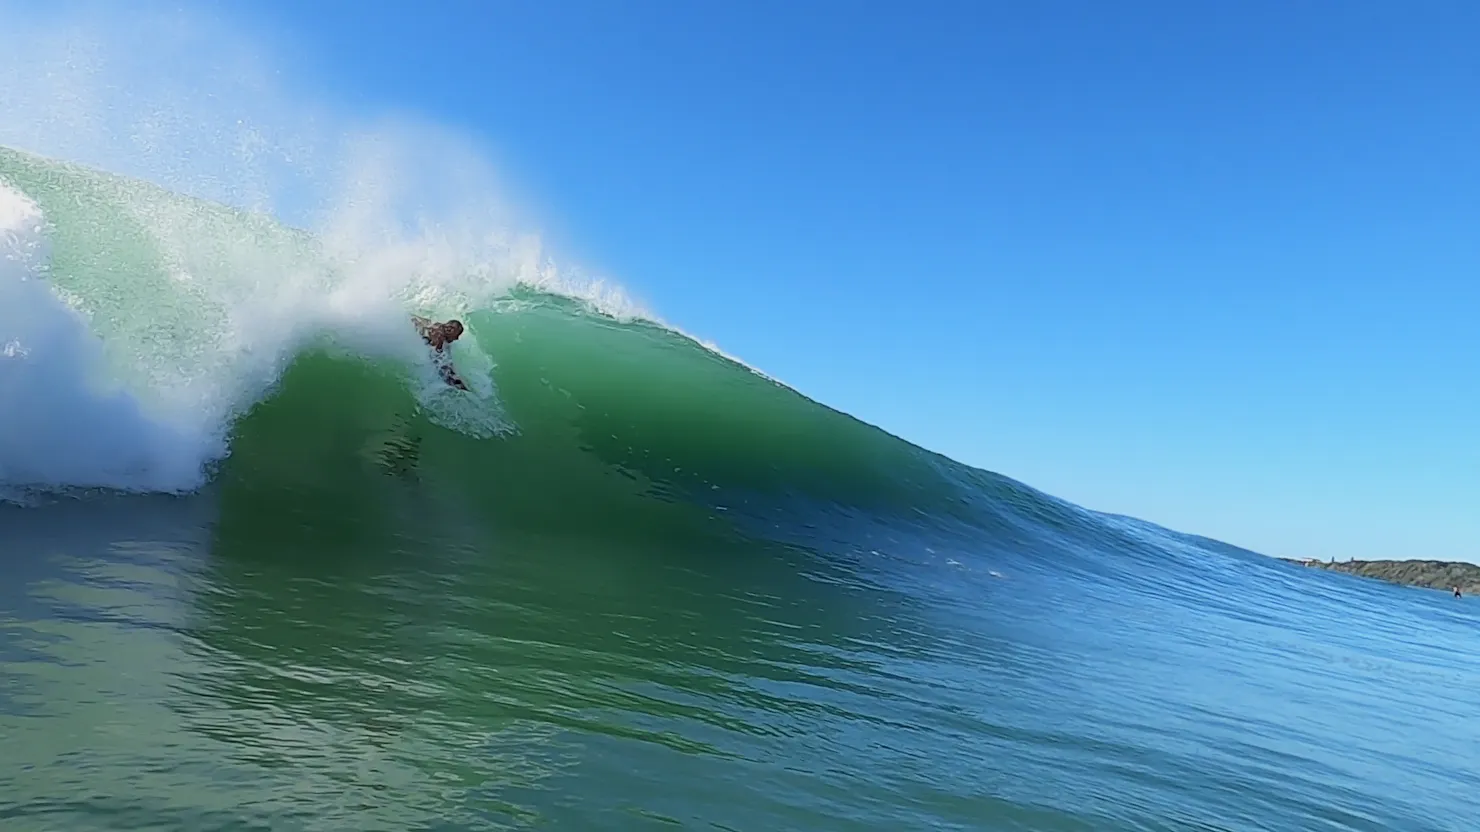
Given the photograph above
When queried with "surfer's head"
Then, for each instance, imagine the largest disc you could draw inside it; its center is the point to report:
(440, 335)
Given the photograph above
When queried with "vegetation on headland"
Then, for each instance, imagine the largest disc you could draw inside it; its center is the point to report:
(1430, 574)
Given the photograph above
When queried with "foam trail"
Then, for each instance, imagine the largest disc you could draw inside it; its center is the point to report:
(58, 425)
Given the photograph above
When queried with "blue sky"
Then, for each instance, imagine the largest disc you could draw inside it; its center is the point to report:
(1212, 265)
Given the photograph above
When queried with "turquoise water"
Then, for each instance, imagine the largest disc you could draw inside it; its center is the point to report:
(626, 583)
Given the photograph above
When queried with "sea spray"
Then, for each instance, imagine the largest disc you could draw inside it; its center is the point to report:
(201, 224)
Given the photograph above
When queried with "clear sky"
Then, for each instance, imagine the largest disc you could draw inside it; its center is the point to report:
(1216, 265)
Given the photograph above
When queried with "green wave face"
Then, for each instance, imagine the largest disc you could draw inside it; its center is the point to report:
(233, 328)
(611, 424)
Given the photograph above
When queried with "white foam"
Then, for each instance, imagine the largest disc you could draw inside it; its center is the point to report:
(59, 424)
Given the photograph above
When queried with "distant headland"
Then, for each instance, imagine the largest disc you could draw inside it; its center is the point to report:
(1429, 574)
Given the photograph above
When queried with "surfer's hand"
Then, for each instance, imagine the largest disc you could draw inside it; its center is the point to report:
(450, 376)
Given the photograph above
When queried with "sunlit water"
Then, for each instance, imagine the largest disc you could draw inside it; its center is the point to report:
(212, 663)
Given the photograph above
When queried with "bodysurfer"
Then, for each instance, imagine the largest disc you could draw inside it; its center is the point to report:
(438, 336)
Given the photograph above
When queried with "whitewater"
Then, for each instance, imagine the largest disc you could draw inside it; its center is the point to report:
(264, 570)
(61, 426)
(129, 357)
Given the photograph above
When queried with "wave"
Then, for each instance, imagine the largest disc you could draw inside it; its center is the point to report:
(169, 333)
(159, 342)
(211, 282)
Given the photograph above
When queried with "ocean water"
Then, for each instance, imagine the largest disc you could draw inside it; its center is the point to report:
(262, 571)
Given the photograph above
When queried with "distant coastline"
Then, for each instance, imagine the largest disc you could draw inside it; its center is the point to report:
(1429, 574)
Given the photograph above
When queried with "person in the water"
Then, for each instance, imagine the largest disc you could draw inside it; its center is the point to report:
(439, 336)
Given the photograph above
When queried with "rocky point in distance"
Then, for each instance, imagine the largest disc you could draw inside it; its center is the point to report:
(1429, 574)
